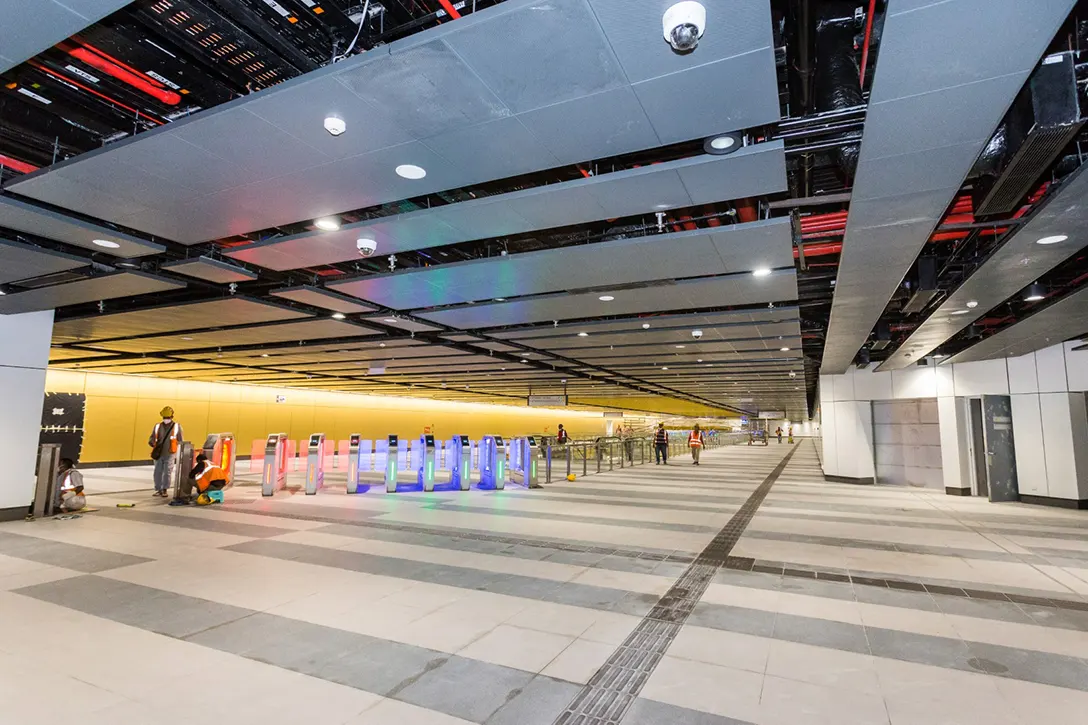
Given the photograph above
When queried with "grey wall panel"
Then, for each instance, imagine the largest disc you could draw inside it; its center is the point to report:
(915, 150)
(443, 99)
(1063, 320)
(755, 170)
(92, 289)
(626, 261)
(715, 292)
(22, 261)
(28, 29)
(23, 217)
(210, 270)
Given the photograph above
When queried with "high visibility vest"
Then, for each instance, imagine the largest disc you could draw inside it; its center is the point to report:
(209, 474)
(695, 440)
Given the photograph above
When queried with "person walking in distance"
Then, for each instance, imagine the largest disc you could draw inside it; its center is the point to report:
(695, 442)
(661, 445)
(164, 440)
(561, 436)
(779, 433)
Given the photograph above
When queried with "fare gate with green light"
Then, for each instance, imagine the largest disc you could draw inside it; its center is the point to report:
(354, 441)
(493, 462)
(274, 476)
(525, 461)
(391, 464)
(315, 464)
(425, 473)
(459, 457)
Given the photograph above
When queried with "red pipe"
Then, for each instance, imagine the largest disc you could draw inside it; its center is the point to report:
(20, 166)
(92, 91)
(746, 210)
(689, 225)
(450, 10)
(136, 80)
(868, 37)
(819, 250)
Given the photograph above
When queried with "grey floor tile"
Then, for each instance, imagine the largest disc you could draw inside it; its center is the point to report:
(521, 551)
(651, 712)
(585, 595)
(896, 598)
(524, 587)
(821, 633)
(577, 558)
(539, 703)
(733, 619)
(983, 609)
(1021, 664)
(814, 587)
(466, 688)
(198, 523)
(1054, 617)
(70, 556)
(670, 569)
(919, 648)
(623, 563)
(383, 669)
(750, 579)
(636, 604)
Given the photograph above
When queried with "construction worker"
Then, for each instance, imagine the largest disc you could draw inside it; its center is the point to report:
(561, 436)
(695, 442)
(70, 495)
(164, 441)
(661, 445)
(779, 434)
(791, 435)
(206, 476)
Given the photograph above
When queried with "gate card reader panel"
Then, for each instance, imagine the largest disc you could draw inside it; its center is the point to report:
(391, 464)
(425, 474)
(315, 463)
(493, 462)
(354, 441)
(220, 450)
(274, 476)
(461, 463)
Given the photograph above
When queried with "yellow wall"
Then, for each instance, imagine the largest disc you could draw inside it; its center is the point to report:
(121, 410)
(655, 405)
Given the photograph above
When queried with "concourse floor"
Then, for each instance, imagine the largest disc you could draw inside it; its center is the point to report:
(746, 590)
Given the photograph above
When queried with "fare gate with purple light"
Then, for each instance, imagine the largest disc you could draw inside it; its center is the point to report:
(315, 463)
(354, 463)
(274, 476)
(493, 462)
(425, 460)
(459, 460)
(392, 456)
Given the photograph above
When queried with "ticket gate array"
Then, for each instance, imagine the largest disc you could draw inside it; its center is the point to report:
(524, 461)
(222, 450)
(459, 459)
(274, 475)
(493, 462)
(315, 463)
(426, 460)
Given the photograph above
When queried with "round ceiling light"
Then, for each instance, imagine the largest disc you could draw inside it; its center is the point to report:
(680, 347)
(724, 144)
(606, 298)
(1035, 293)
(105, 244)
(972, 304)
(327, 224)
(783, 349)
(645, 325)
(335, 126)
(664, 368)
(699, 360)
(411, 171)
(338, 315)
(583, 334)
(761, 272)
(390, 320)
(960, 312)
(1055, 239)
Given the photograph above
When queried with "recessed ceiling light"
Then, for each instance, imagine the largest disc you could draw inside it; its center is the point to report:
(105, 244)
(1035, 293)
(960, 312)
(500, 299)
(761, 272)
(524, 361)
(1053, 239)
(264, 354)
(645, 325)
(783, 349)
(972, 304)
(327, 223)
(381, 344)
(186, 338)
(390, 320)
(583, 334)
(938, 357)
(606, 298)
(664, 368)
(726, 143)
(335, 126)
(338, 315)
(699, 360)
(411, 171)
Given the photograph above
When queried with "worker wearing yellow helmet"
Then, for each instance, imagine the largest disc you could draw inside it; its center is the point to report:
(165, 438)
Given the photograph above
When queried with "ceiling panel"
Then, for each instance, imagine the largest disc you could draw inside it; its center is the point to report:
(914, 150)
(683, 322)
(270, 333)
(23, 261)
(445, 99)
(30, 219)
(323, 298)
(1014, 265)
(1063, 320)
(625, 261)
(739, 289)
(27, 31)
(402, 323)
(92, 289)
(210, 270)
(223, 312)
(752, 171)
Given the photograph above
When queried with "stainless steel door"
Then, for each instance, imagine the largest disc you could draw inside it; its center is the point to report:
(1000, 455)
(978, 448)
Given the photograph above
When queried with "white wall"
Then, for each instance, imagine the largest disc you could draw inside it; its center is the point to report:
(1050, 424)
(24, 356)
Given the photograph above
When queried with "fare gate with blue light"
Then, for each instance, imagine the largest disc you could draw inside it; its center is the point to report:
(315, 464)
(525, 461)
(354, 442)
(274, 475)
(426, 460)
(391, 464)
(459, 457)
(493, 462)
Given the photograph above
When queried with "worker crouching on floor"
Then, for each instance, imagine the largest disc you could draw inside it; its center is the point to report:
(70, 496)
(695, 442)
(206, 477)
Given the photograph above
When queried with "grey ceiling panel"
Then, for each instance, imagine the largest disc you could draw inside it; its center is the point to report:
(323, 298)
(276, 332)
(1014, 265)
(188, 316)
(27, 31)
(91, 289)
(915, 153)
(685, 322)
(755, 170)
(695, 294)
(1063, 320)
(22, 261)
(621, 262)
(402, 323)
(445, 99)
(210, 270)
(23, 217)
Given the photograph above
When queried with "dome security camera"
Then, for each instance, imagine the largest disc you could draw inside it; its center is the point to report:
(683, 25)
(793, 374)
(696, 334)
(366, 246)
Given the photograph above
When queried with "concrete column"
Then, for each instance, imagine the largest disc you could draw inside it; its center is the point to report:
(955, 429)
(24, 355)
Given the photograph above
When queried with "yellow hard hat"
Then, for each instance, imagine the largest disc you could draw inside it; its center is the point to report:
(167, 412)
(570, 476)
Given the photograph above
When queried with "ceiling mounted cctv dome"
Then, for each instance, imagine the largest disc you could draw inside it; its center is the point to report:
(683, 24)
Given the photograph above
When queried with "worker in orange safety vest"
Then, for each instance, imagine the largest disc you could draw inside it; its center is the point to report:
(695, 442)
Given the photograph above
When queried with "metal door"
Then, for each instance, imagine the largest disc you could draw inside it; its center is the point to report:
(978, 448)
(1000, 456)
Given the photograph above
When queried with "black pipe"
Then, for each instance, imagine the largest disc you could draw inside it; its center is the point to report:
(837, 81)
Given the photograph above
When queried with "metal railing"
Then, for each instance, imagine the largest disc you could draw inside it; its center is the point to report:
(581, 458)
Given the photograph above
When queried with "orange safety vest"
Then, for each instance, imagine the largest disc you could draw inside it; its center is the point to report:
(695, 440)
(210, 473)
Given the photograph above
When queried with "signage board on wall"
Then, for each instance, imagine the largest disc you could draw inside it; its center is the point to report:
(613, 414)
(281, 398)
(547, 401)
(772, 414)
